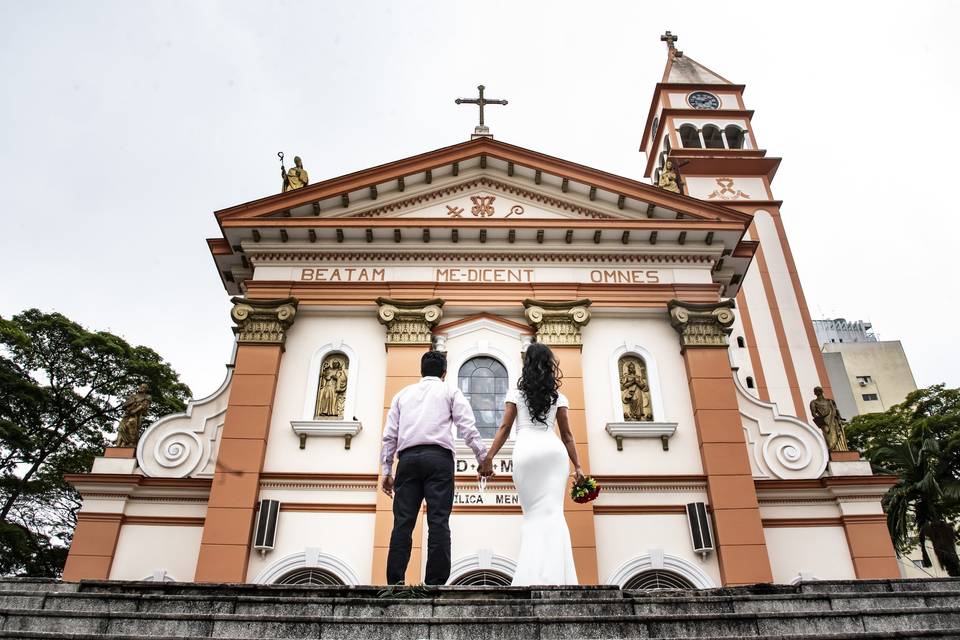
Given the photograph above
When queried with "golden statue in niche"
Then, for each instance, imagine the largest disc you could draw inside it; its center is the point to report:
(634, 389)
(332, 391)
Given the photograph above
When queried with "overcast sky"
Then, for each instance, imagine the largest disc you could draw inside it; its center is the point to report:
(124, 125)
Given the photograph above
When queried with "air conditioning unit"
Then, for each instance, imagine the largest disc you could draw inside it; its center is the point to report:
(265, 534)
(862, 382)
(701, 537)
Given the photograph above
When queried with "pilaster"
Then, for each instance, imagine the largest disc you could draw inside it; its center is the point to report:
(409, 333)
(741, 547)
(560, 325)
(261, 331)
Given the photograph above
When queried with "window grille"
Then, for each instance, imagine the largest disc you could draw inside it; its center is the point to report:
(653, 579)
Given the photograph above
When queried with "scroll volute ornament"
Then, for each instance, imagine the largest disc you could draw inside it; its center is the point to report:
(409, 321)
(262, 321)
(702, 324)
(558, 323)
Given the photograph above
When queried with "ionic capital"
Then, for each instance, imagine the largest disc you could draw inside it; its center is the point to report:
(558, 323)
(262, 321)
(409, 321)
(702, 324)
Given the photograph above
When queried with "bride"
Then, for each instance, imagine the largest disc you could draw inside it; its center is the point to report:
(540, 469)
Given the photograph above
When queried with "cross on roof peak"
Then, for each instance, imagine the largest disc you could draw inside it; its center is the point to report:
(481, 130)
(671, 39)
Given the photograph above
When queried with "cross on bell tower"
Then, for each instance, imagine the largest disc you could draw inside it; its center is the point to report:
(671, 40)
(481, 130)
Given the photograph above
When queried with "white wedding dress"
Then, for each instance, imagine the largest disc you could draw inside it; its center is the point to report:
(541, 469)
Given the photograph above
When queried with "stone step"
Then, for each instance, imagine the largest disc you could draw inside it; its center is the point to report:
(557, 604)
(589, 592)
(802, 624)
(929, 633)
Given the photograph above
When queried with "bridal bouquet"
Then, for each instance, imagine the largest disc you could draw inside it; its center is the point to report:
(585, 490)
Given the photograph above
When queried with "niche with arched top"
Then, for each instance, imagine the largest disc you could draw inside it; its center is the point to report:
(332, 387)
(635, 389)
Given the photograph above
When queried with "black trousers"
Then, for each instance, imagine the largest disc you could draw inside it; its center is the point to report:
(423, 472)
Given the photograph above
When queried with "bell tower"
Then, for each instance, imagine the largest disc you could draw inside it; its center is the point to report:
(699, 141)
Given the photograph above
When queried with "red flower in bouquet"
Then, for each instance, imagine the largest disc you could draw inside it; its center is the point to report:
(585, 490)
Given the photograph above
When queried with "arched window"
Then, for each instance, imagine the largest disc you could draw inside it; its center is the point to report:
(483, 380)
(734, 135)
(652, 579)
(310, 576)
(484, 578)
(655, 128)
(740, 342)
(332, 388)
(635, 389)
(689, 137)
(711, 137)
(749, 382)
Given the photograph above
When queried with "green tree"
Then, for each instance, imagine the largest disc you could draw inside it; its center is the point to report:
(919, 441)
(61, 388)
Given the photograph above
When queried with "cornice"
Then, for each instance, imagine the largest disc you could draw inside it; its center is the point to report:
(646, 224)
(262, 257)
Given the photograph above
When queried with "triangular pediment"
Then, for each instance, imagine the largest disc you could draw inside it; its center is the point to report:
(549, 186)
(486, 198)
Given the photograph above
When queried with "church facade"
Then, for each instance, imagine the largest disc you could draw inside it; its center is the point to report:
(676, 313)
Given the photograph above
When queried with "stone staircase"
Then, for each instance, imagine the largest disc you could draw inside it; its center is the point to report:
(31, 608)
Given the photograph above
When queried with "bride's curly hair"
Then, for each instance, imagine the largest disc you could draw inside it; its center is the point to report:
(539, 381)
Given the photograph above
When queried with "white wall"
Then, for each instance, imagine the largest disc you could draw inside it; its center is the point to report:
(768, 347)
(601, 338)
(821, 552)
(348, 536)
(365, 336)
(621, 538)
(788, 304)
(144, 549)
(678, 100)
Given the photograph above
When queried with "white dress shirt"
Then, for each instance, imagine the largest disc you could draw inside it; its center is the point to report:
(425, 413)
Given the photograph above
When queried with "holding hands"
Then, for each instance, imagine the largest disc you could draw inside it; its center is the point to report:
(486, 468)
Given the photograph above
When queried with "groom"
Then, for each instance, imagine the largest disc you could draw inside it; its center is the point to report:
(419, 430)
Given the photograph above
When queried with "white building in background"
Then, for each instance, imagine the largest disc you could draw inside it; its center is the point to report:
(867, 375)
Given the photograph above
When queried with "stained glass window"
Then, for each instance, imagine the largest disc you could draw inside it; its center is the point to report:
(483, 380)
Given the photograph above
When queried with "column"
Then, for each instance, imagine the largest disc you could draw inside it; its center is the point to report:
(409, 326)
(870, 547)
(559, 325)
(741, 547)
(261, 330)
(94, 543)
